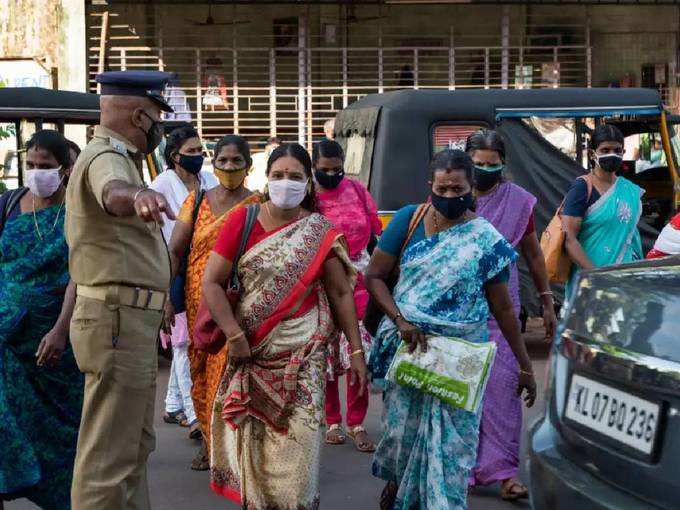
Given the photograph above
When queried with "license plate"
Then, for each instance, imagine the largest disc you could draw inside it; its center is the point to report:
(617, 414)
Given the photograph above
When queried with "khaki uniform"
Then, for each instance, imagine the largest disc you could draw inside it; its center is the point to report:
(122, 271)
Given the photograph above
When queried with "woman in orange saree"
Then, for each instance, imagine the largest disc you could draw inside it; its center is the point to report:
(268, 414)
(232, 161)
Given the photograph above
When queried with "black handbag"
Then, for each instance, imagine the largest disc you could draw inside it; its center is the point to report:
(374, 314)
(177, 287)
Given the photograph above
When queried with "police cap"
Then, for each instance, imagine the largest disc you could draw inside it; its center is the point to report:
(136, 83)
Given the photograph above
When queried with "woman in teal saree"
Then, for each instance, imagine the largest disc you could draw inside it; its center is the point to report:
(601, 224)
(40, 385)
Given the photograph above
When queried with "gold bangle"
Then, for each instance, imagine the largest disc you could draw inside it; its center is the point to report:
(525, 373)
(358, 351)
(232, 338)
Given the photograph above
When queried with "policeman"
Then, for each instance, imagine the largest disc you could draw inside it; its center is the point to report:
(120, 264)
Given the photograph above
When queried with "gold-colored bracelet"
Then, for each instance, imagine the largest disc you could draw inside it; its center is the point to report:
(358, 351)
(524, 372)
(232, 338)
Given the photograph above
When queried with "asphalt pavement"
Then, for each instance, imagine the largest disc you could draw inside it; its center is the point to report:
(346, 480)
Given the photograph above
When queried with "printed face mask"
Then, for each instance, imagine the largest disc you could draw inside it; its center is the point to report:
(287, 194)
(328, 181)
(452, 207)
(231, 179)
(43, 183)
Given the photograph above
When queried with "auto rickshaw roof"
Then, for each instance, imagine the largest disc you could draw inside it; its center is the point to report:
(34, 103)
(490, 105)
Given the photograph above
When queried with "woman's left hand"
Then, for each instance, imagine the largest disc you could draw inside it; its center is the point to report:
(359, 373)
(527, 385)
(51, 348)
(549, 322)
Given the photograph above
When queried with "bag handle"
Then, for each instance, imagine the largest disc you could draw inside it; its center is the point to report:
(252, 211)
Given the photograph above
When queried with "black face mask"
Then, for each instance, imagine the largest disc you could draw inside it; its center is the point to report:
(452, 207)
(191, 163)
(154, 135)
(329, 181)
(610, 162)
(485, 180)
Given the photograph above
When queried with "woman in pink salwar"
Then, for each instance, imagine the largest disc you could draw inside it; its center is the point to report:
(510, 209)
(351, 209)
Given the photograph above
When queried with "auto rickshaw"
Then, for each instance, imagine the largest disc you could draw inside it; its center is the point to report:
(390, 138)
(31, 109)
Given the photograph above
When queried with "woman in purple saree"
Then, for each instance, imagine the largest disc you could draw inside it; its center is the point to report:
(510, 209)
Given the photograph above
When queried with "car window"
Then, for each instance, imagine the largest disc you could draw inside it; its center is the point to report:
(634, 309)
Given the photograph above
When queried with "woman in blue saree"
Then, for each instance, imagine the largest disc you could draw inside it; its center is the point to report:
(40, 385)
(453, 272)
(601, 210)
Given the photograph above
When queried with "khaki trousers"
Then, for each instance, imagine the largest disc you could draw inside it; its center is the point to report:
(115, 347)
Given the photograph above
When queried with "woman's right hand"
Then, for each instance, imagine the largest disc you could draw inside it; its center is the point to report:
(168, 317)
(411, 335)
(238, 350)
(527, 385)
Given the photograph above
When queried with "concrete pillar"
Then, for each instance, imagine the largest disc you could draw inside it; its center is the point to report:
(72, 59)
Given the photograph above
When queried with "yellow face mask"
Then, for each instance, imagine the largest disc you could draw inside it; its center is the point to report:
(231, 179)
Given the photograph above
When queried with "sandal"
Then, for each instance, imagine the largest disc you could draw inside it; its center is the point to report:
(513, 490)
(388, 496)
(201, 462)
(335, 435)
(364, 445)
(175, 418)
(195, 430)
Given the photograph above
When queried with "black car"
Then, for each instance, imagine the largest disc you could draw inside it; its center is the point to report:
(610, 436)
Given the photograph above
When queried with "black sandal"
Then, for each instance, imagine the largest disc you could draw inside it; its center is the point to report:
(388, 496)
(174, 418)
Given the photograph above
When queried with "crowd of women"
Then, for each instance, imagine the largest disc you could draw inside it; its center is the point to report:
(283, 278)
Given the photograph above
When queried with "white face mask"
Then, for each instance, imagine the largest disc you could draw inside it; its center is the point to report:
(44, 183)
(287, 194)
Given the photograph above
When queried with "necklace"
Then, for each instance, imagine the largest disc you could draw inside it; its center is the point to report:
(54, 225)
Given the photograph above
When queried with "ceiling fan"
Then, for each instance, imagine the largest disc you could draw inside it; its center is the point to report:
(210, 21)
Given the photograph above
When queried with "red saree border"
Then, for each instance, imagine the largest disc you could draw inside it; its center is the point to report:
(299, 289)
(226, 492)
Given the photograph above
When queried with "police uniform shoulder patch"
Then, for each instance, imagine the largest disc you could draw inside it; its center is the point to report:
(118, 146)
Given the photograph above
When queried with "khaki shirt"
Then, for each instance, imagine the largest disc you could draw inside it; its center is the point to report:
(106, 249)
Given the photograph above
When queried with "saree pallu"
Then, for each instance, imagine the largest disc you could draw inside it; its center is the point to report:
(268, 415)
(428, 447)
(39, 407)
(206, 369)
(609, 233)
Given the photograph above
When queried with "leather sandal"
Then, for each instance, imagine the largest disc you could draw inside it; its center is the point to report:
(513, 490)
(335, 435)
(367, 446)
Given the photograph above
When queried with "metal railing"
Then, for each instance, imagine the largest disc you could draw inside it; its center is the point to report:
(290, 93)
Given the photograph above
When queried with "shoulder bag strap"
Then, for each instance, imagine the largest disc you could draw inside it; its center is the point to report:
(252, 211)
(417, 217)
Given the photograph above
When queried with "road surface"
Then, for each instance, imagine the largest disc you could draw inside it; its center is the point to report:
(346, 480)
